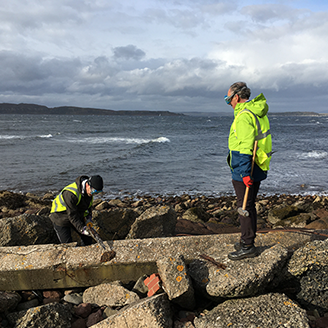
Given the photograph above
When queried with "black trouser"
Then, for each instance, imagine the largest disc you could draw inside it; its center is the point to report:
(248, 224)
(64, 235)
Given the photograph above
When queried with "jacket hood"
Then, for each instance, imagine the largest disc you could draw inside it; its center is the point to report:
(79, 180)
(258, 106)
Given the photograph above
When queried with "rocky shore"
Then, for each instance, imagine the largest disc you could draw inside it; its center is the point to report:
(289, 285)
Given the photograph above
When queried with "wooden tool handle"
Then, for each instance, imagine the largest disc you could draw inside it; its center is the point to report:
(247, 188)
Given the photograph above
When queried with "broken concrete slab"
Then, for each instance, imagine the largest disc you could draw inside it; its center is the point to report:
(309, 266)
(67, 266)
(109, 294)
(242, 278)
(154, 312)
(270, 310)
(311, 255)
(176, 281)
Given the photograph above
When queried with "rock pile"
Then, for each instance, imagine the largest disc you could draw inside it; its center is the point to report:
(281, 287)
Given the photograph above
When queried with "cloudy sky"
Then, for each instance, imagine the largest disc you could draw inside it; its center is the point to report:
(177, 55)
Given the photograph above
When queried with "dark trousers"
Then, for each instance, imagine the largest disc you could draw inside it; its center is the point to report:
(65, 236)
(248, 224)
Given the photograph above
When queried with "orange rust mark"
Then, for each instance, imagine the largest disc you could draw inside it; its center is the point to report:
(180, 267)
(179, 278)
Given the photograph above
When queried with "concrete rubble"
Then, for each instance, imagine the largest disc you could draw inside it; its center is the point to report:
(152, 312)
(188, 279)
(159, 277)
(270, 310)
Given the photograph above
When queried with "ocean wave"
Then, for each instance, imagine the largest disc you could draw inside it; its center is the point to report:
(45, 136)
(6, 137)
(316, 154)
(102, 140)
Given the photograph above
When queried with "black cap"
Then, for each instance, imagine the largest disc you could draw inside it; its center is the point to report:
(96, 182)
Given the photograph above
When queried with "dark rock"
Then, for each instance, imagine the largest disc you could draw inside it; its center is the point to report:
(321, 224)
(94, 318)
(54, 315)
(79, 323)
(8, 300)
(281, 213)
(83, 310)
(114, 224)
(196, 214)
(190, 227)
(157, 221)
(26, 230)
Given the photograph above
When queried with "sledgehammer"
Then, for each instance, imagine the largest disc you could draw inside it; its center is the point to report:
(242, 210)
(107, 254)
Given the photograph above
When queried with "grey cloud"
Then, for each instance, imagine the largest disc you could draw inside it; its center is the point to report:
(129, 52)
(266, 13)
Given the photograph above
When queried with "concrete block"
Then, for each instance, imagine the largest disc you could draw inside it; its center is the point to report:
(154, 312)
(66, 266)
(176, 281)
(240, 278)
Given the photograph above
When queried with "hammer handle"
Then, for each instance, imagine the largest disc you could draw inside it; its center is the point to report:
(247, 188)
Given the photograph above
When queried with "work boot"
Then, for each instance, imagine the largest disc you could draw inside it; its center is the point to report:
(244, 252)
(237, 246)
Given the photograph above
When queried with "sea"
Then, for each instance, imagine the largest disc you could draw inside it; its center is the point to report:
(155, 155)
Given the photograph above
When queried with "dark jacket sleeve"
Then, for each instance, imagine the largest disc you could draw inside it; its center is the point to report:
(74, 216)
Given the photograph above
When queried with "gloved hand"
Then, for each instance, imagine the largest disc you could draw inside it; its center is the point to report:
(248, 181)
(85, 231)
(88, 221)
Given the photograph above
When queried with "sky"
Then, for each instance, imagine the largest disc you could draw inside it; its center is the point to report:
(175, 55)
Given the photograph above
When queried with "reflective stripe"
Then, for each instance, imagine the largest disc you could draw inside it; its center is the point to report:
(260, 134)
(58, 204)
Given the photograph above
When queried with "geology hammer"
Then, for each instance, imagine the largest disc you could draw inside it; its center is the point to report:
(242, 210)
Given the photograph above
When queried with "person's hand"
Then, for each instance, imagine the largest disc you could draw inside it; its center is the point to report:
(85, 231)
(248, 181)
(88, 221)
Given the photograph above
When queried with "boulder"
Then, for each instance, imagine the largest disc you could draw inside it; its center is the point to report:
(113, 224)
(53, 315)
(196, 214)
(270, 310)
(242, 278)
(26, 230)
(154, 312)
(8, 300)
(280, 213)
(298, 221)
(176, 281)
(320, 224)
(109, 294)
(191, 228)
(157, 221)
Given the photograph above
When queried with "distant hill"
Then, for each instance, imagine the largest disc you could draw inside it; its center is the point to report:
(6, 108)
(295, 114)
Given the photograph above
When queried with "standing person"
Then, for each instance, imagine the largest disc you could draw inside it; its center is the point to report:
(250, 124)
(72, 208)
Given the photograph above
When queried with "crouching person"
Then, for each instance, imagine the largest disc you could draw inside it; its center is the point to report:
(71, 209)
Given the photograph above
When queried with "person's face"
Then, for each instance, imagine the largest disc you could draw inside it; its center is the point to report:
(88, 189)
(234, 99)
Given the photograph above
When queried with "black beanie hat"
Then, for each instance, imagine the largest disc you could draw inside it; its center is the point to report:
(96, 182)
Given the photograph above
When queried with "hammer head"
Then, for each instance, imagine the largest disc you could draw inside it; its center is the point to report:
(242, 212)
